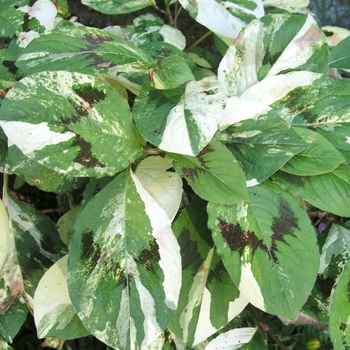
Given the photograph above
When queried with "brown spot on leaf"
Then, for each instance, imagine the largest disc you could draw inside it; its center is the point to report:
(342, 326)
(88, 94)
(308, 38)
(192, 173)
(84, 156)
(99, 62)
(94, 40)
(237, 238)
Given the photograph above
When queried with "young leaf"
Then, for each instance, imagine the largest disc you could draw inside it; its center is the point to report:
(214, 174)
(124, 265)
(54, 314)
(4, 234)
(279, 43)
(170, 73)
(339, 320)
(164, 185)
(118, 6)
(340, 55)
(312, 189)
(80, 49)
(319, 157)
(181, 120)
(71, 123)
(261, 145)
(224, 18)
(200, 312)
(270, 251)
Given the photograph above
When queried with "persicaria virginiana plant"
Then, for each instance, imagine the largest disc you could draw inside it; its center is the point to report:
(215, 197)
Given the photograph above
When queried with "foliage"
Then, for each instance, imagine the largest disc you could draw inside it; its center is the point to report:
(205, 188)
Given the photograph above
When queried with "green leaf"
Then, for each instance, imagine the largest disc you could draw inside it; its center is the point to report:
(200, 312)
(340, 55)
(161, 183)
(71, 123)
(214, 174)
(319, 157)
(261, 145)
(149, 28)
(80, 49)
(270, 251)
(124, 265)
(181, 120)
(65, 224)
(170, 73)
(118, 6)
(329, 192)
(4, 233)
(279, 44)
(54, 314)
(37, 242)
(339, 320)
(224, 18)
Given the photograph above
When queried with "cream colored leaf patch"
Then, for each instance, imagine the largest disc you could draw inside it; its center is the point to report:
(54, 314)
(4, 233)
(164, 185)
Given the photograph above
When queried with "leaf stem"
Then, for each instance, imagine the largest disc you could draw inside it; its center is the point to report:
(199, 40)
(267, 329)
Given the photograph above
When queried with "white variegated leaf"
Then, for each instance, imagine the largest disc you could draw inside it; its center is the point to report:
(124, 267)
(4, 233)
(164, 185)
(54, 314)
(231, 340)
(224, 18)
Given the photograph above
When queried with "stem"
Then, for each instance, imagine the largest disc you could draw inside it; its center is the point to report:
(199, 40)
(266, 328)
(4, 188)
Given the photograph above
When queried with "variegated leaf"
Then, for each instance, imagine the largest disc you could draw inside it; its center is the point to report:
(181, 120)
(270, 251)
(54, 314)
(80, 49)
(37, 243)
(316, 189)
(339, 320)
(233, 339)
(149, 27)
(124, 265)
(4, 233)
(291, 6)
(164, 185)
(261, 145)
(278, 43)
(214, 174)
(80, 127)
(224, 18)
(118, 6)
(200, 312)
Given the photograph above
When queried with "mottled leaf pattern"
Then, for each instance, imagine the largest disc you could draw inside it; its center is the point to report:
(278, 44)
(75, 129)
(80, 49)
(270, 250)
(200, 313)
(118, 6)
(124, 268)
(4, 234)
(181, 120)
